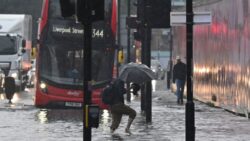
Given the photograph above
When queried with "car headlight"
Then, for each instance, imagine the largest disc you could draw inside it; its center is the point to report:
(14, 75)
(43, 87)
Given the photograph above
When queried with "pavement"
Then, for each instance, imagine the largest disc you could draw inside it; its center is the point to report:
(168, 122)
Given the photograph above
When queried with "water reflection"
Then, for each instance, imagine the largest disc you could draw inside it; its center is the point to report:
(15, 99)
(71, 115)
(42, 116)
(2, 96)
(153, 85)
(104, 117)
(117, 137)
(54, 115)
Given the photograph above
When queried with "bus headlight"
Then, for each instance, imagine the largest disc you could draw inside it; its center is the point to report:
(14, 75)
(43, 87)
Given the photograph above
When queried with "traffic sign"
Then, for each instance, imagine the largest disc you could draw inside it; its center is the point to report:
(179, 18)
(132, 22)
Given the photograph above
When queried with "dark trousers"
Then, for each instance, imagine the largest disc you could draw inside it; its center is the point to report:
(117, 111)
(179, 90)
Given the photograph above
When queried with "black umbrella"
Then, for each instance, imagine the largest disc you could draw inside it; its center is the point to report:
(137, 73)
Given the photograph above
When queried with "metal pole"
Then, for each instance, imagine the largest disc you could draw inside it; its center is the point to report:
(128, 50)
(171, 52)
(87, 70)
(128, 34)
(148, 84)
(147, 59)
(143, 89)
(140, 13)
(143, 97)
(118, 34)
(190, 122)
(169, 72)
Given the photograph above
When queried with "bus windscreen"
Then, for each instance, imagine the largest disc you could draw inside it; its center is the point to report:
(62, 53)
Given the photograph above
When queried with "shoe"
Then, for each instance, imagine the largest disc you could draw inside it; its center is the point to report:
(112, 131)
(128, 131)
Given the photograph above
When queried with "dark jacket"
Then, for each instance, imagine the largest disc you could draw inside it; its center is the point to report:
(179, 71)
(119, 91)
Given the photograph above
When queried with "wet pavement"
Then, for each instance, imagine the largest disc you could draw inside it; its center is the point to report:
(168, 123)
(21, 121)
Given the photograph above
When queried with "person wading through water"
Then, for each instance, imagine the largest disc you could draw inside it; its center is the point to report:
(118, 108)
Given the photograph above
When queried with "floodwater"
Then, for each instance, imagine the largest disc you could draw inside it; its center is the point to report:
(40, 125)
(22, 121)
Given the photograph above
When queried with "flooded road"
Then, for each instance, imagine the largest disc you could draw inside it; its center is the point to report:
(21, 121)
(40, 125)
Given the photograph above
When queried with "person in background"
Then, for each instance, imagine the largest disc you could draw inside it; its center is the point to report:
(179, 78)
(135, 88)
(71, 71)
(118, 108)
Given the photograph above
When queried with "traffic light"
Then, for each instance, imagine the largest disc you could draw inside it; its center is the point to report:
(81, 13)
(120, 56)
(132, 22)
(97, 10)
(93, 111)
(140, 9)
(137, 36)
(78, 7)
(67, 7)
(157, 13)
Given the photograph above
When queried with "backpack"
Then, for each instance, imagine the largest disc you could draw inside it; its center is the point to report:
(108, 95)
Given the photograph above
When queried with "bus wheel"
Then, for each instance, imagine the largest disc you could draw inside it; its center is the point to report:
(9, 86)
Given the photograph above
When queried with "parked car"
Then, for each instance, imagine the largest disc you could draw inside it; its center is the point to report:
(157, 68)
(32, 74)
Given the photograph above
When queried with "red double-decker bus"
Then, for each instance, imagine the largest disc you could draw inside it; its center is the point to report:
(60, 57)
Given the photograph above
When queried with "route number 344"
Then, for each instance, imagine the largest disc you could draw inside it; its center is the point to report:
(97, 33)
